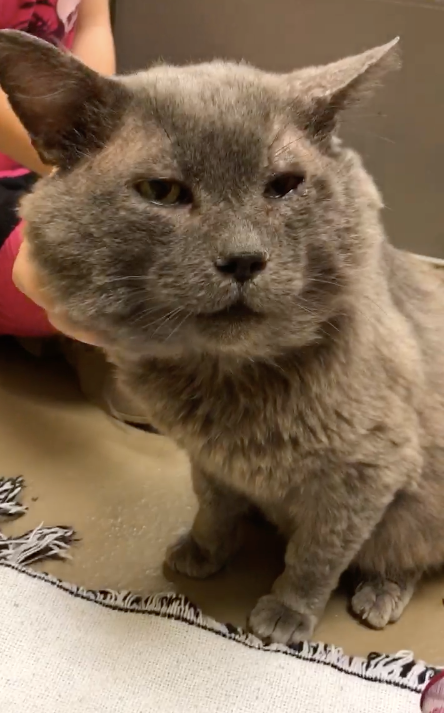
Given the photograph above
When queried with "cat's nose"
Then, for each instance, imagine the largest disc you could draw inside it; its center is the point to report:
(242, 266)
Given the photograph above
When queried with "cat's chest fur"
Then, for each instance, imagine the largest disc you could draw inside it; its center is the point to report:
(256, 428)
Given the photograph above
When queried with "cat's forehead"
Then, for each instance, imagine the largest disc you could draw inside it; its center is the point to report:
(198, 99)
(209, 87)
(217, 115)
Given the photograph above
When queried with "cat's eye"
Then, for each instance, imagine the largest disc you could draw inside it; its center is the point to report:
(164, 192)
(283, 184)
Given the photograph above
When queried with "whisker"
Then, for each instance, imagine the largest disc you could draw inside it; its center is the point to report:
(286, 146)
(164, 319)
(187, 315)
(145, 313)
(342, 284)
(372, 134)
(127, 277)
(171, 315)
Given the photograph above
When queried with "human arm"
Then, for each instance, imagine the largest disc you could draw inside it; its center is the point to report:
(93, 45)
(93, 42)
(15, 142)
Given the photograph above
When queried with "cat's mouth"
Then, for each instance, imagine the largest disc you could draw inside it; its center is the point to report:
(239, 311)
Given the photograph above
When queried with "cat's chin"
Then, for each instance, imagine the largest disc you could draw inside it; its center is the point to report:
(232, 324)
(236, 313)
(231, 340)
(247, 338)
(233, 328)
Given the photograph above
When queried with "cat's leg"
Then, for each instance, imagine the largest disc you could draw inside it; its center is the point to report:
(405, 544)
(325, 541)
(214, 536)
(379, 601)
(299, 595)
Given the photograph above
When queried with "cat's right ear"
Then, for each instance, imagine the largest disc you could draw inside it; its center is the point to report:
(68, 109)
(322, 93)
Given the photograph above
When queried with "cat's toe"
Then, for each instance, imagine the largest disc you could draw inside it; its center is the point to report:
(186, 557)
(380, 602)
(274, 622)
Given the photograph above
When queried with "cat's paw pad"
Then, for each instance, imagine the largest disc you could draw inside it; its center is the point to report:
(186, 557)
(379, 603)
(274, 622)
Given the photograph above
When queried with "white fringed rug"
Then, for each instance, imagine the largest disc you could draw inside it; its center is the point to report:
(64, 648)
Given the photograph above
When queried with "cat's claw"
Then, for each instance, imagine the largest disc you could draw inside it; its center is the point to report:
(274, 622)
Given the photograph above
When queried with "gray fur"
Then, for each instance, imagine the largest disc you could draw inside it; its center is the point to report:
(325, 408)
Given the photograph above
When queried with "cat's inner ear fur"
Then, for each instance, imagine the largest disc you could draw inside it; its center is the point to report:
(68, 109)
(325, 91)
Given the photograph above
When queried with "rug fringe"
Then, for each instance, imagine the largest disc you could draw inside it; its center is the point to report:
(17, 552)
(35, 545)
(400, 669)
(10, 490)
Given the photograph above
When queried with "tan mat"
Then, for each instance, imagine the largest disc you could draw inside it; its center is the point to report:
(127, 493)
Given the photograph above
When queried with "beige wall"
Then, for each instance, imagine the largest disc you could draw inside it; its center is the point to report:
(400, 134)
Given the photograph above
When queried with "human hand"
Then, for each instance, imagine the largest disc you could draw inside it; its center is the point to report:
(30, 281)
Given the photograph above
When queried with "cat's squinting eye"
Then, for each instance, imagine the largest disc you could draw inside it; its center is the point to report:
(282, 185)
(164, 192)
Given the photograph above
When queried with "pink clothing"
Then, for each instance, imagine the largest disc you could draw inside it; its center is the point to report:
(18, 315)
(53, 21)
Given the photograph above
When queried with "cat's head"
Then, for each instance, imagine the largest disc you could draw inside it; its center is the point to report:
(206, 207)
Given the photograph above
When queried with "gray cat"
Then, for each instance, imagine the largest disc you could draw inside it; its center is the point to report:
(210, 227)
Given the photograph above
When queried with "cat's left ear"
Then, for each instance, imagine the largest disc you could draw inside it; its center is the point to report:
(68, 109)
(321, 93)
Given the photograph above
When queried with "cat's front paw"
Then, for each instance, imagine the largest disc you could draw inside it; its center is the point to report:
(186, 557)
(274, 622)
(380, 602)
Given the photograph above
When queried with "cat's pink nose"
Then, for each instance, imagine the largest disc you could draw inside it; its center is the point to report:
(242, 266)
